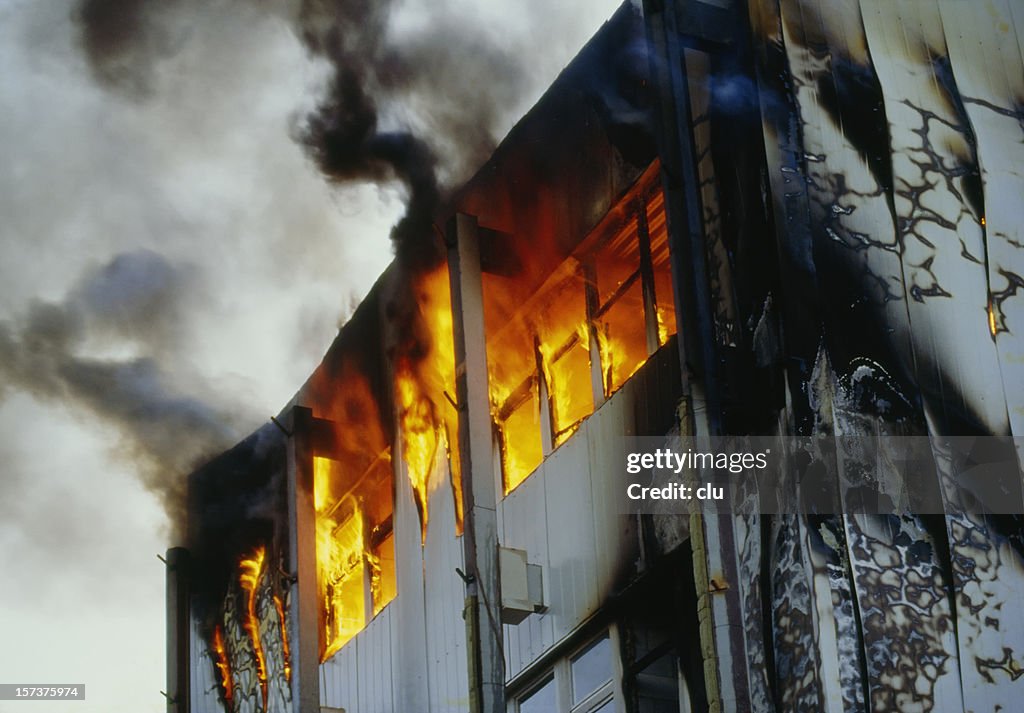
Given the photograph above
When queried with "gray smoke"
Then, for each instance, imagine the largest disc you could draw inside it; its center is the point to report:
(410, 101)
(420, 108)
(135, 305)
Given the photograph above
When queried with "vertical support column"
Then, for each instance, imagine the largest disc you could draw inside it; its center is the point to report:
(719, 591)
(683, 215)
(303, 609)
(647, 276)
(596, 373)
(476, 451)
(178, 631)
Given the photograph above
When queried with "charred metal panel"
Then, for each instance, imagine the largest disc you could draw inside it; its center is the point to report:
(239, 540)
(564, 165)
(937, 203)
(888, 132)
(796, 656)
(985, 56)
(720, 280)
(204, 687)
(749, 541)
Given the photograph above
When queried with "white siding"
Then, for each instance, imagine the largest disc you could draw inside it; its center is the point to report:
(444, 594)
(525, 526)
(565, 517)
(412, 656)
(205, 696)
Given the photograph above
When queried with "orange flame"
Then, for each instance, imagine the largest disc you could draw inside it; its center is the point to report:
(565, 362)
(540, 317)
(425, 388)
(222, 665)
(419, 436)
(340, 567)
(621, 357)
(249, 577)
(285, 648)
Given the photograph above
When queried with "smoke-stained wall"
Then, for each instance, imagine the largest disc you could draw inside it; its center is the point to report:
(885, 302)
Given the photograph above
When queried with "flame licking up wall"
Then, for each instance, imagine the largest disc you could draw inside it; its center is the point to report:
(425, 389)
(249, 645)
(222, 666)
(283, 633)
(353, 483)
(249, 577)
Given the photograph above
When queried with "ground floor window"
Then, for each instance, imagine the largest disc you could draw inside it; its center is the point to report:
(585, 681)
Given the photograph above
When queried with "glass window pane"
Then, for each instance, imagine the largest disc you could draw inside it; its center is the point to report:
(564, 344)
(662, 266)
(657, 686)
(618, 260)
(591, 669)
(382, 574)
(622, 338)
(541, 700)
(571, 391)
(521, 447)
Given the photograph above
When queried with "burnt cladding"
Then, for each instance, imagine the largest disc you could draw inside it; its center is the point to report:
(237, 503)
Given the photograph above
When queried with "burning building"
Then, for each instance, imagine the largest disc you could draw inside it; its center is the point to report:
(773, 217)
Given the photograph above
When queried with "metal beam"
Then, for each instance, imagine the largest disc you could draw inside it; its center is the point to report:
(178, 631)
(304, 608)
(480, 484)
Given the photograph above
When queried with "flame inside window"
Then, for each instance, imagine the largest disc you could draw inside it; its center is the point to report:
(354, 547)
(594, 319)
(661, 266)
(564, 347)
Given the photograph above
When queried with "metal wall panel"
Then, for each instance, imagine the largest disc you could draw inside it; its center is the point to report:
(409, 636)
(339, 678)
(444, 594)
(525, 526)
(358, 677)
(893, 136)
(566, 517)
(984, 41)
(616, 542)
(374, 665)
(571, 550)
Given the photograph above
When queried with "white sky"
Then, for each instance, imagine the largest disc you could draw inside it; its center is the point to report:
(203, 172)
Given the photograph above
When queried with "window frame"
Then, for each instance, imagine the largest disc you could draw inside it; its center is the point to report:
(644, 199)
(561, 673)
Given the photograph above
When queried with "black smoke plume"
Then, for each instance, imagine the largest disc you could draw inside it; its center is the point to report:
(418, 108)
